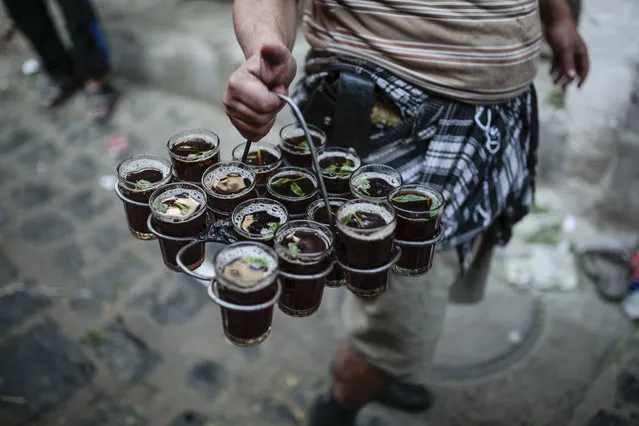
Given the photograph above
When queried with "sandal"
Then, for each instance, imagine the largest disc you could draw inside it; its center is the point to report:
(56, 91)
(100, 101)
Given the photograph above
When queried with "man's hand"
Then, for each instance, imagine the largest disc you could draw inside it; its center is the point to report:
(570, 55)
(249, 103)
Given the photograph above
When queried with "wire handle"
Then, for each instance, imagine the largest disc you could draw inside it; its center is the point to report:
(314, 155)
(213, 291)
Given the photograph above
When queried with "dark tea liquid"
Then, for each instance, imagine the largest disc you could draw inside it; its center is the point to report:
(246, 276)
(287, 187)
(261, 157)
(231, 184)
(265, 161)
(365, 253)
(337, 171)
(195, 158)
(187, 227)
(416, 227)
(321, 215)
(336, 277)
(301, 298)
(293, 185)
(246, 328)
(374, 186)
(227, 185)
(296, 151)
(138, 215)
(260, 223)
(258, 220)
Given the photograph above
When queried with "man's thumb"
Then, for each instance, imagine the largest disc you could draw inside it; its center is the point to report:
(274, 58)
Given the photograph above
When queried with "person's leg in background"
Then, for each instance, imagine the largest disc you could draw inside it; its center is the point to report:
(32, 18)
(391, 341)
(90, 55)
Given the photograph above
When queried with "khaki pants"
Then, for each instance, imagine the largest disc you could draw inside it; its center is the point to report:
(398, 331)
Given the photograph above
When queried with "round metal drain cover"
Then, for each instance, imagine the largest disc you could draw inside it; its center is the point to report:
(491, 336)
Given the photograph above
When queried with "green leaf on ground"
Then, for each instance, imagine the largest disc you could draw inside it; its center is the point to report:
(550, 235)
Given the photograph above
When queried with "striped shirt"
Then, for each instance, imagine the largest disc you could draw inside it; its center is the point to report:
(474, 51)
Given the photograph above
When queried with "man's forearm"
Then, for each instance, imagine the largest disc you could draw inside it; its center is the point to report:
(264, 21)
(554, 10)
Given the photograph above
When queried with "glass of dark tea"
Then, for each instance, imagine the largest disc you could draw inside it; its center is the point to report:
(264, 158)
(179, 214)
(246, 281)
(317, 212)
(294, 146)
(227, 185)
(337, 165)
(138, 177)
(192, 152)
(374, 182)
(419, 211)
(258, 219)
(305, 251)
(365, 243)
(295, 188)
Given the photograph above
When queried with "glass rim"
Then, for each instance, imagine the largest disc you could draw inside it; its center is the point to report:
(311, 128)
(201, 132)
(291, 170)
(245, 191)
(383, 204)
(165, 179)
(239, 149)
(187, 185)
(223, 279)
(301, 223)
(243, 204)
(264, 168)
(289, 147)
(313, 208)
(417, 186)
(350, 154)
(368, 169)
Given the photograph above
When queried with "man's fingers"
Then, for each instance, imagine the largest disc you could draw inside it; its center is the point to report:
(280, 89)
(558, 75)
(252, 133)
(583, 64)
(249, 90)
(244, 113)
(583, 67)
(568, 66)
(554, 67)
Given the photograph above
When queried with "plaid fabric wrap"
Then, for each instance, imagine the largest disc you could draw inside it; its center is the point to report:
(482, 158)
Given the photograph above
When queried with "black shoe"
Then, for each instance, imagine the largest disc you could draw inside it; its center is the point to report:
(326, 411)
(406, 397)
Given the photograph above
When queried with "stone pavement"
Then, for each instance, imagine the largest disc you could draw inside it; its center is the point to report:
(130, 343)
(146, 347)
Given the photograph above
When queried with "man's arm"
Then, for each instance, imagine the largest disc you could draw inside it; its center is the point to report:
(554, 10)
(265, 30)
(570, 55)
(264, 22)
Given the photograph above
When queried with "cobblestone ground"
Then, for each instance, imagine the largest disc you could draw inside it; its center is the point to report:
(146, 347)
(131, 343)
